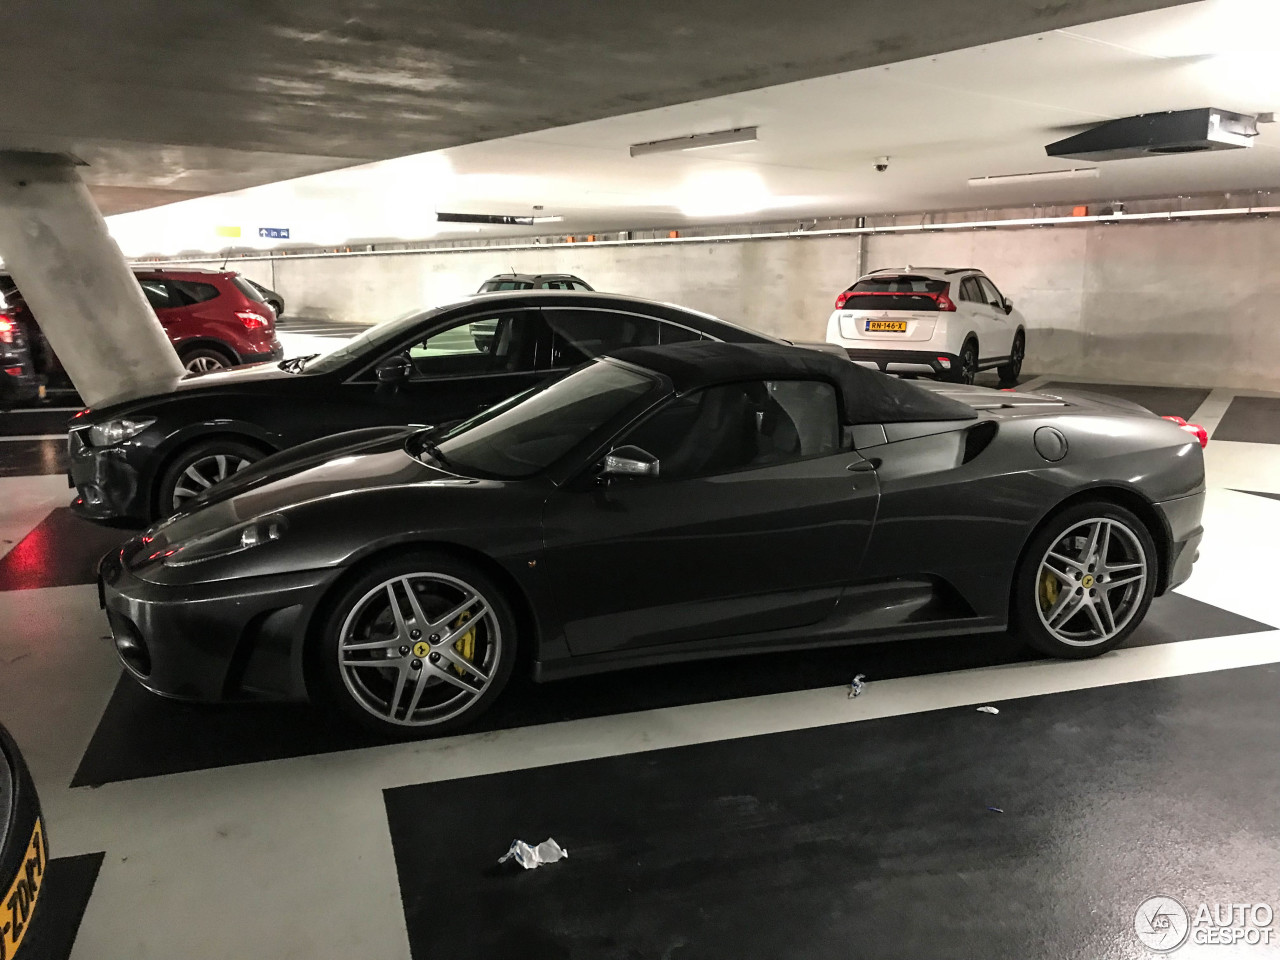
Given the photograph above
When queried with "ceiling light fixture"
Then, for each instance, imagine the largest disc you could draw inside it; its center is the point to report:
(493, 218)
(695, 141)
(1079, 173)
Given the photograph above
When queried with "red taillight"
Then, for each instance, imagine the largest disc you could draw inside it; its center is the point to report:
(13, 371)
(945, 303)
(83, 413)
(842, 299)
(1197, 431)
(251, 320)
(6, 328)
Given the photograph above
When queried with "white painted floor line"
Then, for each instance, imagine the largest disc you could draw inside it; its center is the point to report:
(34, 436)
(23, 410)
(498, 751)
(1035, 382)
(1209, 414)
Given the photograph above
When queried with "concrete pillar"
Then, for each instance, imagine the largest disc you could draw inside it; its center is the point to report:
(55, 244)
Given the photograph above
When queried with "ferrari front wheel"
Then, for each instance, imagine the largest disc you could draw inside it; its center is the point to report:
(419, 644)
(1085, 582)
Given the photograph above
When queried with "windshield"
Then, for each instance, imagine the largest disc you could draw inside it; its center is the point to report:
(525, 436)
(359, 346)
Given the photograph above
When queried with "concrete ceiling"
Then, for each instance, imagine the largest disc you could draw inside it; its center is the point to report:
(942, 119)
(170, 100)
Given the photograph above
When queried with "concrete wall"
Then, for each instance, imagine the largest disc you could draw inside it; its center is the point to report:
(784, 287)
(1194, 302)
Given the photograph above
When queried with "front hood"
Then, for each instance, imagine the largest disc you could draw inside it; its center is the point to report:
(302, 475)
(248, 378)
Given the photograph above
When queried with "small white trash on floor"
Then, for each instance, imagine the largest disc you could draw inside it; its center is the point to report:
(548, 851)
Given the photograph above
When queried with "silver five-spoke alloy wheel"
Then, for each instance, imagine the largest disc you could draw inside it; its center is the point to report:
(419, 649)
(1091, 581)
(202, 474)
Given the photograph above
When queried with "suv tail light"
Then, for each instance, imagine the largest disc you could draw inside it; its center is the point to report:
(251, 320)
(944, 302)
(1197, 431)
(6, 328)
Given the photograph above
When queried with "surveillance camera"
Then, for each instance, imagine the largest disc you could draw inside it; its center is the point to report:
(882, 164)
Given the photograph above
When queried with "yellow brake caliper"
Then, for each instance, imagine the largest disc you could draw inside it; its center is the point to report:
(1050, 586)
(465, 644)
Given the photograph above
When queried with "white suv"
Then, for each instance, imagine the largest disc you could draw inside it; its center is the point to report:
(951, 322)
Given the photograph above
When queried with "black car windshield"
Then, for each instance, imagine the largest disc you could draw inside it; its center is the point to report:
(526, 437)
(361, 345)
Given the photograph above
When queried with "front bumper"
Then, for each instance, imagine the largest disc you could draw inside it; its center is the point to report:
(224, 640)
(107, 483)
(934, 362)
(1182, 519)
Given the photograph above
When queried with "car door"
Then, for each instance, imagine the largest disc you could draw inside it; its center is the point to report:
(974, 311)
(757, 519)
(1001, 333)
(168, 308)
(457, 370)
(982, 318)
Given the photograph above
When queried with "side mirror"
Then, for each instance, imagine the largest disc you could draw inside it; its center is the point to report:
(630, 461)
(1008, 305)
(394, 370)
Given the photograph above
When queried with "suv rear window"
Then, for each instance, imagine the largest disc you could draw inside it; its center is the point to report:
(895, 292)
(248, 289)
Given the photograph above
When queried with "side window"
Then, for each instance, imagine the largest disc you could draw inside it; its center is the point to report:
(739, 426)
(578, 285)
(672, 333)
(970, 291)
(186, 292)
(505, 343)
(157, 294)
(579, 335)
(989, 292)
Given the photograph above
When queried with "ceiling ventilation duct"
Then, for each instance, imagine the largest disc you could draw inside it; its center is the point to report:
(1160, 134)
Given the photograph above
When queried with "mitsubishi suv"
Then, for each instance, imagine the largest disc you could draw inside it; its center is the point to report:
(950, 322)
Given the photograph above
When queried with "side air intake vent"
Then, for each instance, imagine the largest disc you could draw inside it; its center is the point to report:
(978, 437)
(1160, 134)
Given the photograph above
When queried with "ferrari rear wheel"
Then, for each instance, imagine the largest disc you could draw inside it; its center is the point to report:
(420, 644)
(1086, 581)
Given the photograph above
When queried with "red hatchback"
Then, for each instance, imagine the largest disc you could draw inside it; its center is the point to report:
(214, 318)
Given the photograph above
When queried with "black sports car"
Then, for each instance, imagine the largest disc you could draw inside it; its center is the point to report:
(141, 459)
(658, 505)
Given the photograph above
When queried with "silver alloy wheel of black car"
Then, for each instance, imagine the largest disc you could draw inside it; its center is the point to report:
(203, 473)
(1091, 582)
(419, 649)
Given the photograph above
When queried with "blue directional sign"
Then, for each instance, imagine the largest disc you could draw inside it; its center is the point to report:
(274, 233)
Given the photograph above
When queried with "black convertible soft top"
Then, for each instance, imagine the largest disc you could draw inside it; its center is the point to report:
(866, 396)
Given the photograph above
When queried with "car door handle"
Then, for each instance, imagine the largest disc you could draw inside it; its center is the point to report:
(863, 466)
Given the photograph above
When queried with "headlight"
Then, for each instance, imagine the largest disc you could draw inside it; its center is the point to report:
(117, 431)
(243, 536)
